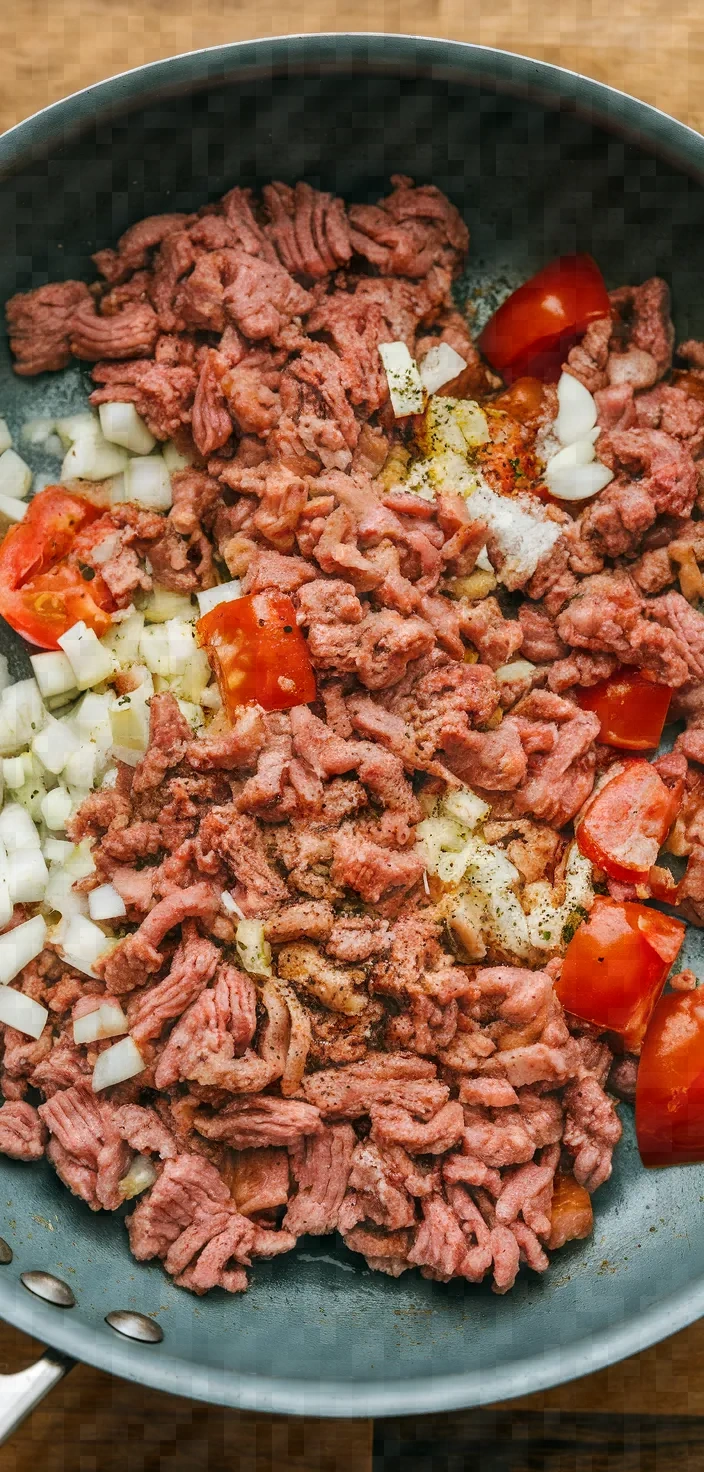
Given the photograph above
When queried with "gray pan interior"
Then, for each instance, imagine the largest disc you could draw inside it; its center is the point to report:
(540, 162)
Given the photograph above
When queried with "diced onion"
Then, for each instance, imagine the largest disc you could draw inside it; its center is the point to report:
(140, 1176)
(91, 456)
(56, 808)
(405, 384)
(54, 744)
(175, 461)
(163, 604)
(230, 906)
(37, 431)
(20, 946)
(439, 366)
(104, 903)
(578, 482)
(22, 714)
(121, 425)
(168, 648)
(580, 452)
(4, 672)
(106, 1021)
(73, 426)
(83, 942)
(466, 807)
(53, 673)
(518, 669)
(16, 770)
(11, 509)
(223, 593)
(147, 481)
(15, 476)
(5, 436)
(577, 410)
(129, 720)
(252, 948)
(21, 1012)
(123, 639)
(27, 876)
(122, 1061)
(56, 850)
(90, 661)
(80, 769)
(17, 831)
(63, 898)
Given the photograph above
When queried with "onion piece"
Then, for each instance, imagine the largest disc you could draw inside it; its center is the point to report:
(83, 942)
(5, 436)
(518, 669)
(81, 767)
(147, 481)
(56, 850)
(223, 593)
(140, 1176)
(56, 808)
(21, 1012)
(91, 456)
(577, 410)
(578, 482)
(15, 476)
(252, 948)
(53, 673)
(122, 1061)
(167, 649)
(16, 770)
(175, 461)
(36, 432)
(27, 876)
(121, 425)
(580, 452)
(405, 386)
(105, 1021)
(163, 604)
(22, 714)
(17, 831)
(466, 807)
(104, 903)
(439, 366)
(54, 744)
(90, 661)
(12, 510)
(230, 905)
(20, 946)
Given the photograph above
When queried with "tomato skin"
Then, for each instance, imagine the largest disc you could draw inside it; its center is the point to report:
(258, 652)
(670, 1087)
(533, 330)
(632, 710)
(616, 965)
(42, 590)
(626, 821)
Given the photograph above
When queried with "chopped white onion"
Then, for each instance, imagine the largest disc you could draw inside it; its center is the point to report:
(466, 807)
(56, 850)
(22, 714)
(73, 426)
(231, 906)
(123, 639)
(140, 1176)
(122, 1061)
(92, 457)
(580, 452)
(519, 669)
(147, 481)
(63, 898)
(20, 946)
(223, 593)
(105, 1021)
(439, 366)
(54, 744)
(4, 673)
(578, 482)
(253, 949)
(6, 902)
(80, 769)
(121, 425)
(27, 876)
(16, 770)
(83, 942)
(129, 720)
(37, 431)
(12, 510)
(163, 605)
(168, 648)
(482, 561)
(104, 903)
(17, 829)
(53, 673)
(105, 549)
(5, 436)
(80, 862)
(577, 410)
(90, 661)
(21, 1012)
(56, 808)
(15, 475)
(405, 384)
(92, 719)
(175, 461)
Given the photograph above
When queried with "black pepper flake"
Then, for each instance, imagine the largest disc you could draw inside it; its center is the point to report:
(288, 629)
(86, 572)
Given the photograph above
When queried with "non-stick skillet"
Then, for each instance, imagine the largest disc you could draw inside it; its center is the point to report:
(540, 162)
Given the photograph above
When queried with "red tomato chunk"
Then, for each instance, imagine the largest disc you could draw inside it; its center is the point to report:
(532, 332)
(44, 586)
(616, 965)
(258, 652)
(632, 710)
(628, 819)
(670, 1088)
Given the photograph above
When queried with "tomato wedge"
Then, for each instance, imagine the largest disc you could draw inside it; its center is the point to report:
(631, 708)
(258, 652)
(571, 1215)
(670, 1087)
(616, 965)
(533, 330)
(627, 820)
(44, 586)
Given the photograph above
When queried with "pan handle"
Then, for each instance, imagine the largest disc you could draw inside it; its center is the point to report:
(21, 1392)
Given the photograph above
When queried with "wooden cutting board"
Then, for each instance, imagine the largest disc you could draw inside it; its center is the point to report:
(93, 1423)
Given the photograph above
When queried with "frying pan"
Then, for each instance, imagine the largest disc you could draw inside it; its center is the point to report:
(540, 162)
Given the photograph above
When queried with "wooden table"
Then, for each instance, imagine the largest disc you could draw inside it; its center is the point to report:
(641, 1416)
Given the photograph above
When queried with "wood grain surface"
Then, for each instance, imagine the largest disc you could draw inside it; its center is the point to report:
(641, 1415)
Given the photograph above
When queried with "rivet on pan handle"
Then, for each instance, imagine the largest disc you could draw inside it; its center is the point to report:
(20, 1393)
